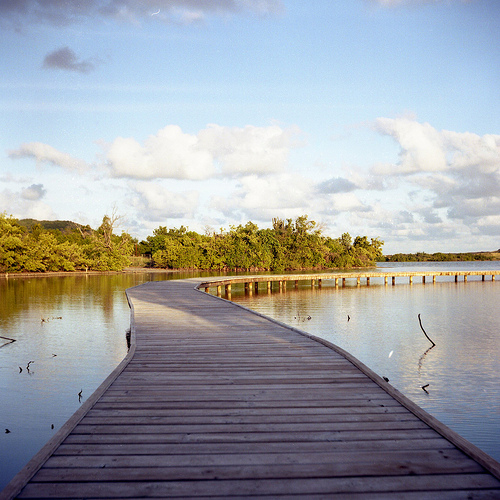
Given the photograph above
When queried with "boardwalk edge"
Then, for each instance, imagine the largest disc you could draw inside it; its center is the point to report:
(19, 481)
(481, 457)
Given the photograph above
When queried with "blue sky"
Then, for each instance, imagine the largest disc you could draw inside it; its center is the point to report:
(375, 117)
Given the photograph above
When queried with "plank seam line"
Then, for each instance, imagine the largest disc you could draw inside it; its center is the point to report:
(490, 464)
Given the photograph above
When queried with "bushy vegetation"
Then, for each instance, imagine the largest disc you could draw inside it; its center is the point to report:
(440, 257)
(68, 248)
(288, 245)
(36, 246)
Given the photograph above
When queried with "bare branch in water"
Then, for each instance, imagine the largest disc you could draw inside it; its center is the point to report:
(9, 341)
(428, 338)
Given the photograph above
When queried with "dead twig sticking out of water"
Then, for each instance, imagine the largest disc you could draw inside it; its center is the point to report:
(424, 387)
(80, 396)
(28, 366)
(428, 338)
(9, 341)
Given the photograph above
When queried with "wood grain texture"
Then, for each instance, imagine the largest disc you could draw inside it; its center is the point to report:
(219, 402)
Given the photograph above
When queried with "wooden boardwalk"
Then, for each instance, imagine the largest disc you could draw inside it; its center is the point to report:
(215, 401)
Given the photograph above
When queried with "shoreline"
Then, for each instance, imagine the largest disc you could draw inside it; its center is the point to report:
(155, 270)
(128, 270)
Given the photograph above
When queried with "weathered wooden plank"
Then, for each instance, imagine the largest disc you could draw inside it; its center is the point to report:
(351, 457)
(302, 414)
(186, 419)
(418, 463)
(221, 402)
(342, 401)
(77, 446)
(302, 486)
(255, 437)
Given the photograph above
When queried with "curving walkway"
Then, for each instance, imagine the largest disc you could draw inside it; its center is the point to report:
(216, 401)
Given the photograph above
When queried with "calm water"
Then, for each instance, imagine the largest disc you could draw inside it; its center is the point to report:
(462, 370)
(79, 343)
(83, 338)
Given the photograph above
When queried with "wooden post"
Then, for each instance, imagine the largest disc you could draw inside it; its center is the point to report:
(423, 280)
(336, 282)
(456, 278)
(256, 287)
(385, 280)
(343, 281)
(228, 288)
(280, 285)
(411, 280)
(358, 281)
(367, 281)
(312, 283)
(492, 277)
(320, 283)
(296, 283)
(482, 277)
(393, 280)
(269, 285)
(434, 278)
(207, 289)
(219, 290)
(465, 278)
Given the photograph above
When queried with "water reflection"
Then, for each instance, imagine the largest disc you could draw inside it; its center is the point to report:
(73, 330)
(69, 335)
(83, 338)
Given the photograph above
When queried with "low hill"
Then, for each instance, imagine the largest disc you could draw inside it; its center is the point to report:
(65, 226)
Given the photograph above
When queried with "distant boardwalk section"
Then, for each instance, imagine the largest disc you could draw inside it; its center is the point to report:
(216, 401)
(255, 283)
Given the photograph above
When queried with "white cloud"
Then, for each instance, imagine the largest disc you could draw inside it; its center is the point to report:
(23, 207)
(459, 170)
(262, 198)
(489, 226)
(248, 150)
(422, 147)
(344, 202)
(34, 192)
(155, 203)
(173, 154)
(43, 153)
(169, 154)
(425, 149)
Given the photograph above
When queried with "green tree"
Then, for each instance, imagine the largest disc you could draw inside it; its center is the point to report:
(106, 251)
(12, 246)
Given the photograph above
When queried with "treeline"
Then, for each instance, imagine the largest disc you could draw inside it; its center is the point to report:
(288, 245)
(439, 257)
(72, 247)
